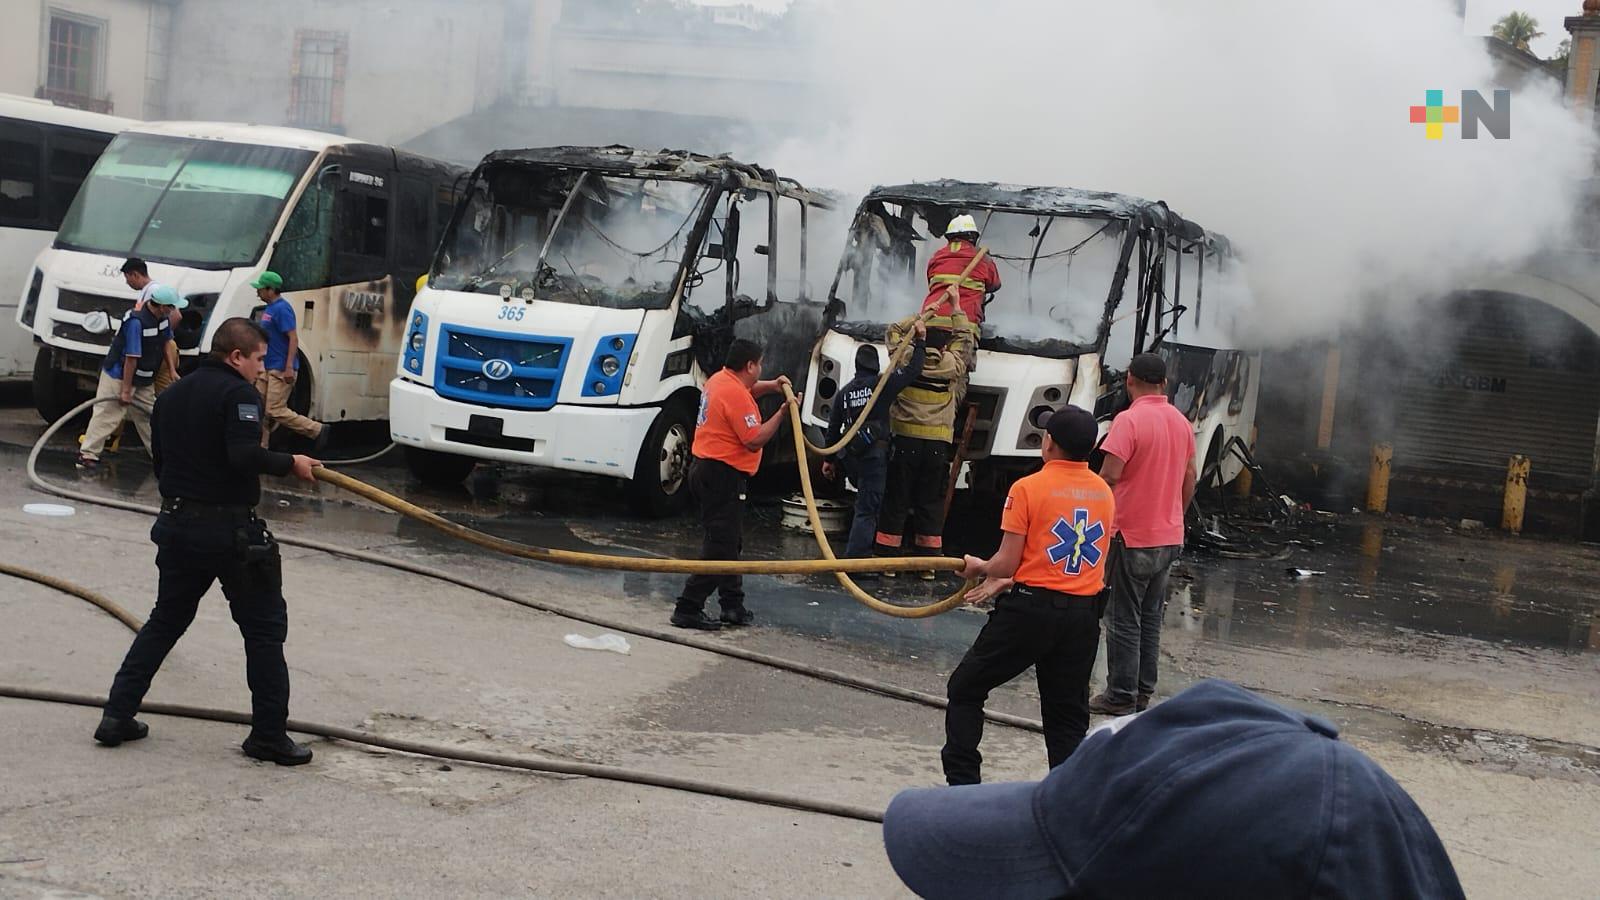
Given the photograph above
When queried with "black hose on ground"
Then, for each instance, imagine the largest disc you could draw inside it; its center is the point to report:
(419, 748)
(833, 676)
(504, 760)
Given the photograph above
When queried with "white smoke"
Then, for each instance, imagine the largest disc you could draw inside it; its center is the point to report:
(1281, 124)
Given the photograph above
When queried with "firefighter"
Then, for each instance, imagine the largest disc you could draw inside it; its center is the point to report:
(922, 424)
(947, 264)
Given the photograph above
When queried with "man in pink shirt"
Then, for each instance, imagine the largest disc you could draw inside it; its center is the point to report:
(1150, 466)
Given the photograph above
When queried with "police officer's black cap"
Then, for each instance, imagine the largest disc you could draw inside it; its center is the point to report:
(1149, 368)
(1074, 430)
(867, 358)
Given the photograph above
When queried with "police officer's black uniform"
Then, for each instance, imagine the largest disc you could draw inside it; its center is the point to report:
(206, 444)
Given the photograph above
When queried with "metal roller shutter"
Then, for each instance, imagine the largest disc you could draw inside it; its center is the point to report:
(1507, 375)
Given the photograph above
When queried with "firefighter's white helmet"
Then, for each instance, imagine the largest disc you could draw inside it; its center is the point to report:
(961, 225)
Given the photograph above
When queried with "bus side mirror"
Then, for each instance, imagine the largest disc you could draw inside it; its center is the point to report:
(763, 250)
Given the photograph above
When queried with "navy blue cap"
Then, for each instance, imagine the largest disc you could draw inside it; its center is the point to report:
(1214, 793)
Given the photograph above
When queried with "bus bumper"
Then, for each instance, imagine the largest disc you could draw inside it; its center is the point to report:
(603, 439)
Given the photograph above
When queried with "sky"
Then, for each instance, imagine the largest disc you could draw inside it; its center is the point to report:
(1481, 16)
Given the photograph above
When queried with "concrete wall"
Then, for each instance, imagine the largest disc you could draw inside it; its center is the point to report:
(410, 66)
(124, 58)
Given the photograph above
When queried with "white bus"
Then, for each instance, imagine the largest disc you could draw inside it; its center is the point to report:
(348, 225)
(45, 153)
(579, 300)
(1089, 279)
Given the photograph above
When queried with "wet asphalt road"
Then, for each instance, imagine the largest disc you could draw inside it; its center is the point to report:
(1389, 586)
(1447, 654)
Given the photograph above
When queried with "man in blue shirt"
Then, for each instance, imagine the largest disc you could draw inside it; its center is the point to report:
(866, 459)
(283, 363)
(142, 346)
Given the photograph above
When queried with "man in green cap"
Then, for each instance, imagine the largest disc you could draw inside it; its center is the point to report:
(282, 363)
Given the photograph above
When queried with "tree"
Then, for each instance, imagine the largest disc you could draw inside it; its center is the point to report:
(1517, 29)
(1563, 53)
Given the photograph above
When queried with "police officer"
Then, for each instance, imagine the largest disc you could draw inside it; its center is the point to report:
(208, 458)
(1052, 558)
(866, 458)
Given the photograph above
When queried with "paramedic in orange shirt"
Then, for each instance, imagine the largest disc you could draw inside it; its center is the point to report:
(1057, 525)
(728, 438)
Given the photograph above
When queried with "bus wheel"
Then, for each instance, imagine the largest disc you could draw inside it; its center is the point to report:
(55, 392)
(660, 478)
(437, 469)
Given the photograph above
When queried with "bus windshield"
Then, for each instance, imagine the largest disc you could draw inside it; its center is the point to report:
(571, 236)
(1055, 271)
(204, 204)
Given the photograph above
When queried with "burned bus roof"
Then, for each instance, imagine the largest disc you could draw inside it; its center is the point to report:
(679, 165)
(1050, 201)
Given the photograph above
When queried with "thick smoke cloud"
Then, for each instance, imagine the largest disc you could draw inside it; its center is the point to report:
(1282, 125)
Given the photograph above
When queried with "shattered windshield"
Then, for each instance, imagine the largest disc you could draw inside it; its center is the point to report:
(571, 237)
(1055, 271)
(206, 204)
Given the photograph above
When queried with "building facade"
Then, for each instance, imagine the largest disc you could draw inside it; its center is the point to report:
(109, 56)
(1506, 366)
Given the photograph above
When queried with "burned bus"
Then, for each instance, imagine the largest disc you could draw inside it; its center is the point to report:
(1089, 279)
(580, 298)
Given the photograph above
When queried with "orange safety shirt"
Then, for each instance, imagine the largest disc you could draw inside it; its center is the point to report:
(728, 418)
(945, 268)
(1064, 513)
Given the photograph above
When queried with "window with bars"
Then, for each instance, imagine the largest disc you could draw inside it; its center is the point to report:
(316, 96)
(72, 60)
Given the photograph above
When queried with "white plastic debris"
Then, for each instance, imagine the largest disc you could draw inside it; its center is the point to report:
(1306, 573)
(47, 509)
(616, 643)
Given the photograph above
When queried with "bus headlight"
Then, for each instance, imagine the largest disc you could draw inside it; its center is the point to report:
(606, 367)
(416, 343)
(30, 306)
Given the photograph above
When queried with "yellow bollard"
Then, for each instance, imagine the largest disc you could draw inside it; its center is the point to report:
(1378, 478)
(1516, 499)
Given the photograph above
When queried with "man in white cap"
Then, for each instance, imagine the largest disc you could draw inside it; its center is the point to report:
(142, 346)
(948, 267)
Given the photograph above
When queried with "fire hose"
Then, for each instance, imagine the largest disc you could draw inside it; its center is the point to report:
(665, 635)
(418, 748)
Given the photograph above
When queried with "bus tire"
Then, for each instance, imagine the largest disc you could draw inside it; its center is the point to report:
(660, 483)
(55, 392)
(1214, 458)
(437, 469)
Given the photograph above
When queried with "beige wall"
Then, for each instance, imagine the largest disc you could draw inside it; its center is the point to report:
(124, 57)
(410, 66)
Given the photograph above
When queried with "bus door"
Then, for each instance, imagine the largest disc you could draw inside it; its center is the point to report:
(335, 259)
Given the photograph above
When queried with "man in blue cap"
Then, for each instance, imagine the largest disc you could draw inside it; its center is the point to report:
(1214, 793)
(142, 346)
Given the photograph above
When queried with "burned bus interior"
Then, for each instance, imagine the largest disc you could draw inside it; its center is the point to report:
(1066, 257)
